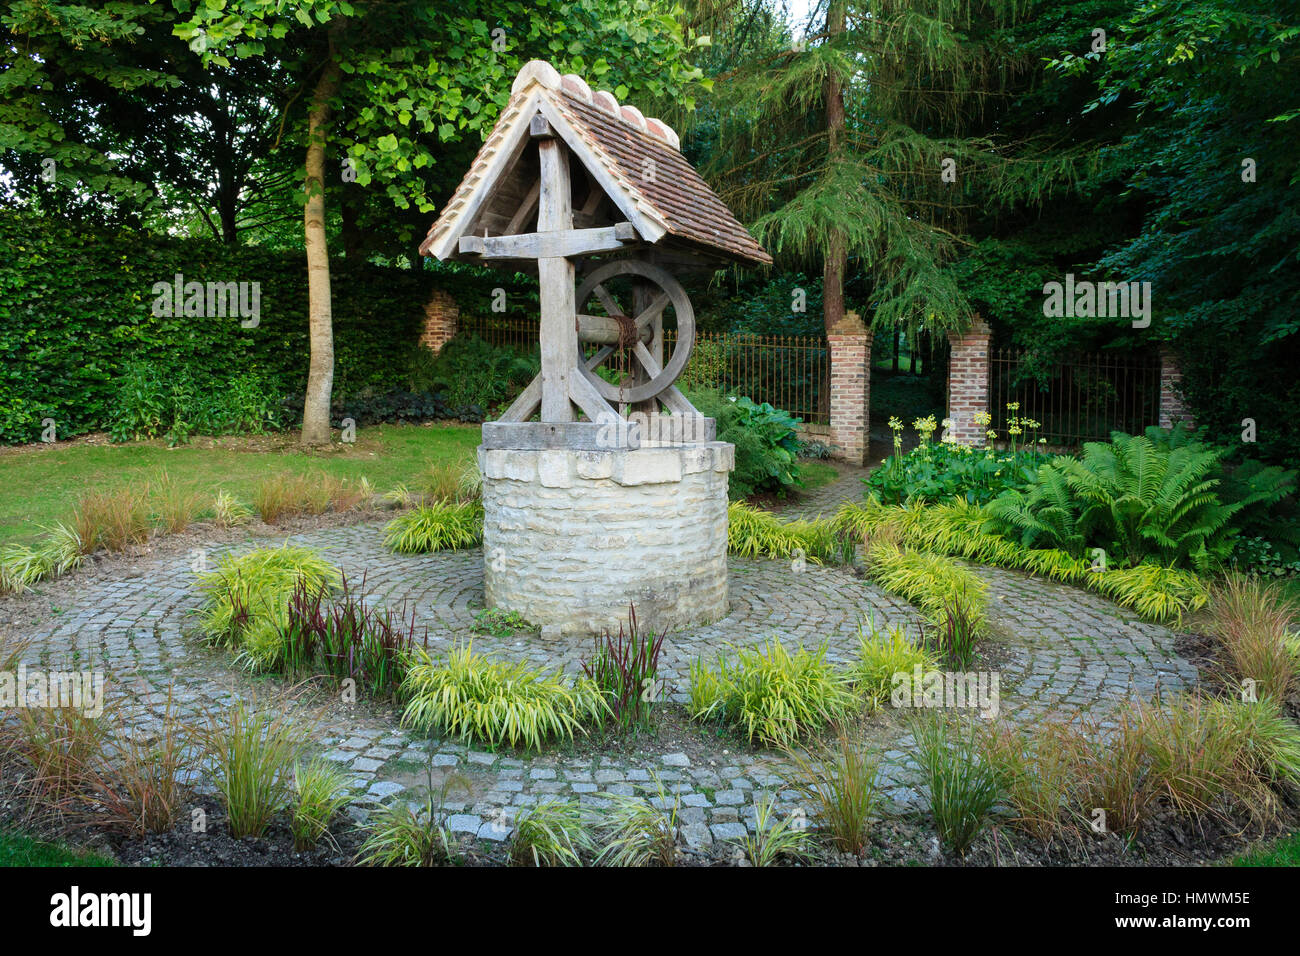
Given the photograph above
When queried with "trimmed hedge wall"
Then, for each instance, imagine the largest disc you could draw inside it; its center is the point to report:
(76, 307)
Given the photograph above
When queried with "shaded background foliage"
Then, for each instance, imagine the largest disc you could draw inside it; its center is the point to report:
(76, 313)
(1118, 165)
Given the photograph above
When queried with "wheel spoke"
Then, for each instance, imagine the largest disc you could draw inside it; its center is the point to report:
(647, 360)
(653, 310)
(608, 301)
(602, 353)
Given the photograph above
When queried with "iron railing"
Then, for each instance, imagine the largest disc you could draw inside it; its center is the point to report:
(1080, 398)
(789, 372)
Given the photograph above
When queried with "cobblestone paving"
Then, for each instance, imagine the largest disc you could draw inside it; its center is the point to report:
(1063, 651)
(826, 500)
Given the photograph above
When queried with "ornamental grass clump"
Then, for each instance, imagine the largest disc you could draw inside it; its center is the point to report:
(341, 635)
(1036, 776)
(881, 658)
(452, 481)
(769, 694)
(439, 526)
(62, 744)
(114, 518)
(229, 512)
(964, 530)
(497, 702)
(254, 753)
(755, 533)
(1268, 741)
(57, 553)
(176, 505)
(1196, 756)
(962, 785)
(1254, 624)
(245, 597)
(320, 791)
(838, 779)
(786, 840)
(552, 833)
(1157, 593)
(626, 669)
(140, 783)
(402, 835)
(950, 595)
(635, 831)
(288, 494)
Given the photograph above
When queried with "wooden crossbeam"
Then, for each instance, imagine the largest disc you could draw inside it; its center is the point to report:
(553, 244)
(523, 407)
(592, 403)
(526, 208)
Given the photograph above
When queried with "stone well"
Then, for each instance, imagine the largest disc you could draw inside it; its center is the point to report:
(570, 538)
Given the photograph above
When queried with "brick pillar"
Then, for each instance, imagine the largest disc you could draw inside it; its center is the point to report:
(850, 345)
(441, 316)
(1173, 408)
(968, 382)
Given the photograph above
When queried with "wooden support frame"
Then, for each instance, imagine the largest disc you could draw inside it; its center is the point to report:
(567, 386)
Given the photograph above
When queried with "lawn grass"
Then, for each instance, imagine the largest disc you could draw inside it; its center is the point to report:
(18, 849)
(1284, 852)
(814, 474)
(39, 486)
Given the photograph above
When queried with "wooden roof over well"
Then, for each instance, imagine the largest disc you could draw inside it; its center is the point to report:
(629, 170)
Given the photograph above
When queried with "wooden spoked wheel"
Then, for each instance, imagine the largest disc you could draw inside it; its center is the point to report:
(611, 329)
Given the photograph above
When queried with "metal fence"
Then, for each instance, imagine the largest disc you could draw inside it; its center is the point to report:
(513, 332)
(1080, 398)
(790, 372)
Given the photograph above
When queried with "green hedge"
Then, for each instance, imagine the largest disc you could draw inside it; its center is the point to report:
(76, 309)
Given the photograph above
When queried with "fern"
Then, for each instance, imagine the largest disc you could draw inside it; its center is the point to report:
(1136, 499)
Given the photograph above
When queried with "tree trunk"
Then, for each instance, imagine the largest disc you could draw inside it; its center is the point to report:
(836, 261)
(320, 322)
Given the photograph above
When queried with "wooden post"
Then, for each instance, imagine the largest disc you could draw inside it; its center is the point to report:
(558, 333)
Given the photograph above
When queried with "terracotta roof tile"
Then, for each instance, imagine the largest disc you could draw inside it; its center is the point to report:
(639, 152)
(684, 201)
